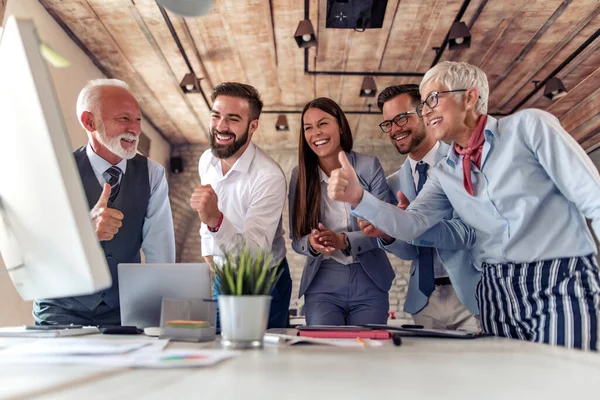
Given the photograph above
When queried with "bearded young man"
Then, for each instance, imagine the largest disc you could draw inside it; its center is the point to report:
(128, 197)
(442, 282)
(243, 191)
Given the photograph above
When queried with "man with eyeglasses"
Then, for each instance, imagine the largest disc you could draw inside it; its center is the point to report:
(442, 277)
(526, 187)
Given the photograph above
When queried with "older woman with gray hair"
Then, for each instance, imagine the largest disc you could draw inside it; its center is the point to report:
(526, 187)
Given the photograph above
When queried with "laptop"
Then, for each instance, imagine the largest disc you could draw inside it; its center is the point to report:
(143, 286)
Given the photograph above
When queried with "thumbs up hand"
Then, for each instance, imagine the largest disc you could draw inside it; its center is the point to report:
(107, 221)
(403, 202)
(343, 183)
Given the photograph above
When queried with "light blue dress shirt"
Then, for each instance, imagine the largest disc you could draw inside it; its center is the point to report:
(158, 237)
(533, 192)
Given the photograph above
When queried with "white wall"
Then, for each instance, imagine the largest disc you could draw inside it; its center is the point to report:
(67, 82)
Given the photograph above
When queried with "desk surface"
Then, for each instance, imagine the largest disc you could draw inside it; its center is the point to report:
(489, 368)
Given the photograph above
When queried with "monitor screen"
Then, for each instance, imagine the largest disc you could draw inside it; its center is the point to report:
(47, 238)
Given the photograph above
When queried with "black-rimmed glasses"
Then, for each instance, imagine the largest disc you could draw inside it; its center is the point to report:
(400, 120)
(432, 99)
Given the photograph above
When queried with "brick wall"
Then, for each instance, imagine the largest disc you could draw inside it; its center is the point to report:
(187, 224)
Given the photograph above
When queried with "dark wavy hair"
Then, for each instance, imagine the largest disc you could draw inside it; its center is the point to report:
(391, 92)
(306, 213)
(242, 91)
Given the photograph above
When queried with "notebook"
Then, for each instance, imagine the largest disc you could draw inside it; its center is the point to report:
(430, 333)
(342, 332)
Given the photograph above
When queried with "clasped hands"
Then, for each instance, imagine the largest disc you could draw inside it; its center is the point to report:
(326, 241)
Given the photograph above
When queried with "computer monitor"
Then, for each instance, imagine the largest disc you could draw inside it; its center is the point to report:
(47, 239)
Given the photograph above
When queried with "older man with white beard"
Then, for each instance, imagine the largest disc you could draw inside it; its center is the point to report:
(128, 198)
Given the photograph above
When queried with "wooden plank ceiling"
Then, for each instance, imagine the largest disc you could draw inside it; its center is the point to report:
(515, 42)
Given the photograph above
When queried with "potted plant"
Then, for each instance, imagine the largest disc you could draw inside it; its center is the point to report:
(245, 281)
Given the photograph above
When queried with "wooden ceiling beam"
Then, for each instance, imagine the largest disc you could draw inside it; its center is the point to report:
(529, 45)
(571, 30)
(591, 140)
(249, 25)
(579, 96)
(174, 67)
(85, 28)
(144, 54)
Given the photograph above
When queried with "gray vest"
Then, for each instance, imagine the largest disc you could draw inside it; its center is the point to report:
(132, 201)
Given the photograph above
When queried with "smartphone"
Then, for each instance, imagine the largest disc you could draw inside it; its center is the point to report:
(409, 326)
(120, 330)
(51, 327)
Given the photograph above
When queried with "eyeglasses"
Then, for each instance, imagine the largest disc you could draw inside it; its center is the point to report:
(400, 120)
(431, 100)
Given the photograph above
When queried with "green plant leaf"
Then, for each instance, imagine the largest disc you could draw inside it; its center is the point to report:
(247, 273)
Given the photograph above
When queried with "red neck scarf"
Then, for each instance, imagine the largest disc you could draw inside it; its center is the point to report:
(472, 153)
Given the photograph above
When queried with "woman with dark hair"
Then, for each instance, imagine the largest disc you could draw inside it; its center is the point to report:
(346, 276)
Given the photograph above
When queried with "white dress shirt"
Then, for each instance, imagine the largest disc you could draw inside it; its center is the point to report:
(251, 198)
(337, 217)
(158, 237)
(429, 159)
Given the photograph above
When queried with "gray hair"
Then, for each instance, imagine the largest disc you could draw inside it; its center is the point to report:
(90, 94)
(460, 75)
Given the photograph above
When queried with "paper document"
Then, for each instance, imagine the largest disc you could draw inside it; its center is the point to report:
(74, 347)
(176, 358)
(127, 353)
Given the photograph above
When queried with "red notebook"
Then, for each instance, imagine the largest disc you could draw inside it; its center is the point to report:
(345, 333)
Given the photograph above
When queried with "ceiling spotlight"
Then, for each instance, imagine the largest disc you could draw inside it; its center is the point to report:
(368, 89)
(190, 83)
(282, 123)
(459, 36)
(305, 34)
(555, 89)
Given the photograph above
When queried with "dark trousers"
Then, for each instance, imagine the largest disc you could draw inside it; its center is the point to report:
(344, 295)
(554, 302)
(280, 303)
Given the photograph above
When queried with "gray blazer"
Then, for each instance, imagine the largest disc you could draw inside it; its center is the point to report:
(453, 240)
(373, 259)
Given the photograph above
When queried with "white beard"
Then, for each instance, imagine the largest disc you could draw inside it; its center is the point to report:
(114, 143)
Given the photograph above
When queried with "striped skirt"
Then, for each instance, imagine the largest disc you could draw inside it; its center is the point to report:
(555, 302)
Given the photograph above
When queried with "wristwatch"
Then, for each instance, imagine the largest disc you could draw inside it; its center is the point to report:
(348, 250)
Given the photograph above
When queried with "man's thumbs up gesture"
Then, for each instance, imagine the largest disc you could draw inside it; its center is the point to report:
(343, 183)
(107, 221)
(403, 202)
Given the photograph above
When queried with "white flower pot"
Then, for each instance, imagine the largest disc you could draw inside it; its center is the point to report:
(243, 320)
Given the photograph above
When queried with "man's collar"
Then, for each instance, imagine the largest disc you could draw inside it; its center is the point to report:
(99, 164)
(429, 159)
(243, 163)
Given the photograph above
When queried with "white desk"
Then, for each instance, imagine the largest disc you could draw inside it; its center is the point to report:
(419, 369)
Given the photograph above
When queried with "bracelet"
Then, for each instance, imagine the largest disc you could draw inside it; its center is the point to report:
(216, 228)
